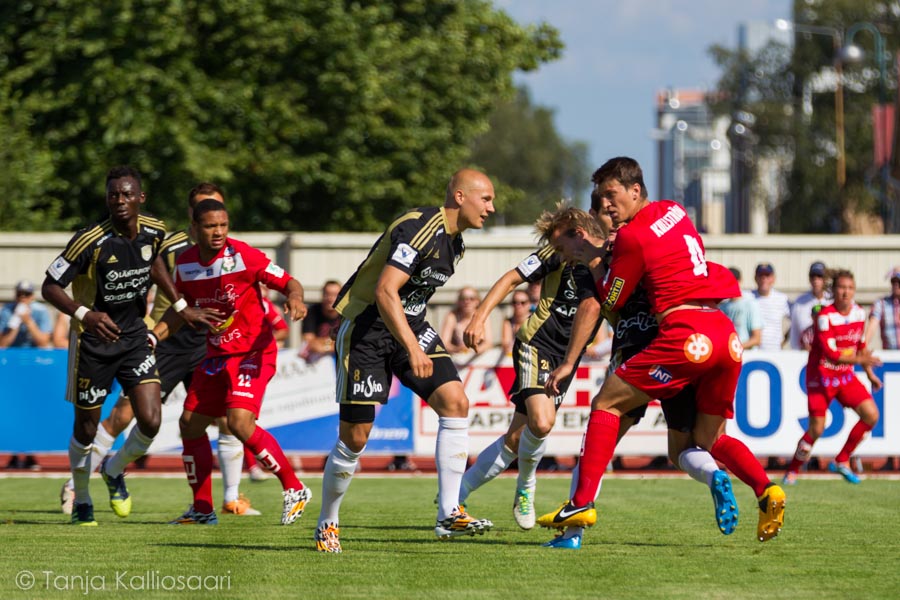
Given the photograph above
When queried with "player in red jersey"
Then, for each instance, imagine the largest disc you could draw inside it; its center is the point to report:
(223, 274)
(658, 247)
(838, 346)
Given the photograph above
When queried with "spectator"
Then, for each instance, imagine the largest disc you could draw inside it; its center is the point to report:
(26, 322)
(321, 323)
(534, 293)
(60, 336)
(885, 317)
(521, 310)
(804, 306)
(458, 319)
(745, 314)
(774, 308)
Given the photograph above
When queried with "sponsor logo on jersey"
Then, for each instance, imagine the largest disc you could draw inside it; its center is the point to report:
(146, 252)
(529, 265)
(367, 388)
(614, 290)
(275, 270)
(660, 374)
(698, 348)
(58, 267)
(92, 395)
(404, 255)
(426, 337)
(735, 347)
(668, 220)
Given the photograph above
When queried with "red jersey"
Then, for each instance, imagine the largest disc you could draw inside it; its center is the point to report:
(273, 315)
(836, 335)
(660, 249)
(230, 283)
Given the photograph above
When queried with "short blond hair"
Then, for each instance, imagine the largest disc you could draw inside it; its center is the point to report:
(566, 217)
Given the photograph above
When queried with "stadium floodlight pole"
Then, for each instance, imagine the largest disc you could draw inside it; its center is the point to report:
(853, 53)
(837, 63)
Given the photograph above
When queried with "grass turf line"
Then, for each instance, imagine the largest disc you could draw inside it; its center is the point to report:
(655, 538)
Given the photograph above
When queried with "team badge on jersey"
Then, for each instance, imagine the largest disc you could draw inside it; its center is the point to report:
(146, 252)
(404, 255)
(698, 348)
(59, 266)
(735, 347)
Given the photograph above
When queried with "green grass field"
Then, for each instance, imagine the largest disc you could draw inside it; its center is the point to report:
(655, 539)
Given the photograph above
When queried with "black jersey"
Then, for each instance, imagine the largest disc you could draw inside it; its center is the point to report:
(564, 286)
(187, 339)
(634, 327)
(109, 272)
(417, 243)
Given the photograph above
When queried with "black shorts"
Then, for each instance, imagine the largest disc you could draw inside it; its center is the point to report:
(680, 411)
(94, 365)
(175, 368)
(533, 366)
(367, 357)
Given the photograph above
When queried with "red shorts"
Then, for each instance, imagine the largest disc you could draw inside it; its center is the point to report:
(694, 347)
(846, 389)
(237, 381)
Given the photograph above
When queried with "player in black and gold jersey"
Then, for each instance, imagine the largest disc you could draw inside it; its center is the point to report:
(383, 331)
(567, 290)
(111, 266)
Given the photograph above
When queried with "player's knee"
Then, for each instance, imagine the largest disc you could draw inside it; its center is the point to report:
(815, 430)
(541, 426)
(356, 439)
(241, 428)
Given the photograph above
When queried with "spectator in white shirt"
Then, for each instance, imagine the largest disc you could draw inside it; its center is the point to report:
(802, 308)
(774, 308)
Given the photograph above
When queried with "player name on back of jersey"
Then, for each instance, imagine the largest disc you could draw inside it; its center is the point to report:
(666, 222)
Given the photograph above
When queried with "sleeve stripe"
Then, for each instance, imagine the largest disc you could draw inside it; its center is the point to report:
(173, 239)
(427, 231)
(545, 252)
(89, 237)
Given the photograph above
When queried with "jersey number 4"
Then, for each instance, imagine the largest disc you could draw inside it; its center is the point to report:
(698, 258)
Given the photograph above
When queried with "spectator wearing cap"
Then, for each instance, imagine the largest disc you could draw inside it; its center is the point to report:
(885, 318)
(773, 305)
(25, 323)
(806, 304)
(745, 314)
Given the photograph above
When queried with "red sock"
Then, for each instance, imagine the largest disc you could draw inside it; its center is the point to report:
(249, 459)
(856, 435)
(198, 463)
(740, 461)
(269, 453)
(599, 445)
(801, 455)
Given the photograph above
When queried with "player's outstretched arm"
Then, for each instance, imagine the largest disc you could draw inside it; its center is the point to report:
(586, 318)
(473, 336)
(294, 305)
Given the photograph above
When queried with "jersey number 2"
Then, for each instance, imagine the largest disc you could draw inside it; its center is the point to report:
(697, 256)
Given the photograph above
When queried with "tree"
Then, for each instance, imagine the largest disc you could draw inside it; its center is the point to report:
(791, 93)
(312, 114)
(534, 165)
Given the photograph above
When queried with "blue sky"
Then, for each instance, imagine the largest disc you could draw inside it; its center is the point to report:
(619, 54)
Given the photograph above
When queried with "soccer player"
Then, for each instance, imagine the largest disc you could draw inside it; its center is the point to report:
(658, 247)
(176, 359)
(383, 331)
(634, 328)
(223, 274)
(111, 266)
(837, 346)
(540, 346)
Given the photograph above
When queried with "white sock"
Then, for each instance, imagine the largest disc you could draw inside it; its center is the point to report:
(134, 447)
(492, 461)
(450, 454)
(103, 443)
(574, 484)
(80, 463)
(531, 450)
(339, 469)
(699, 464)
(231, 463)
